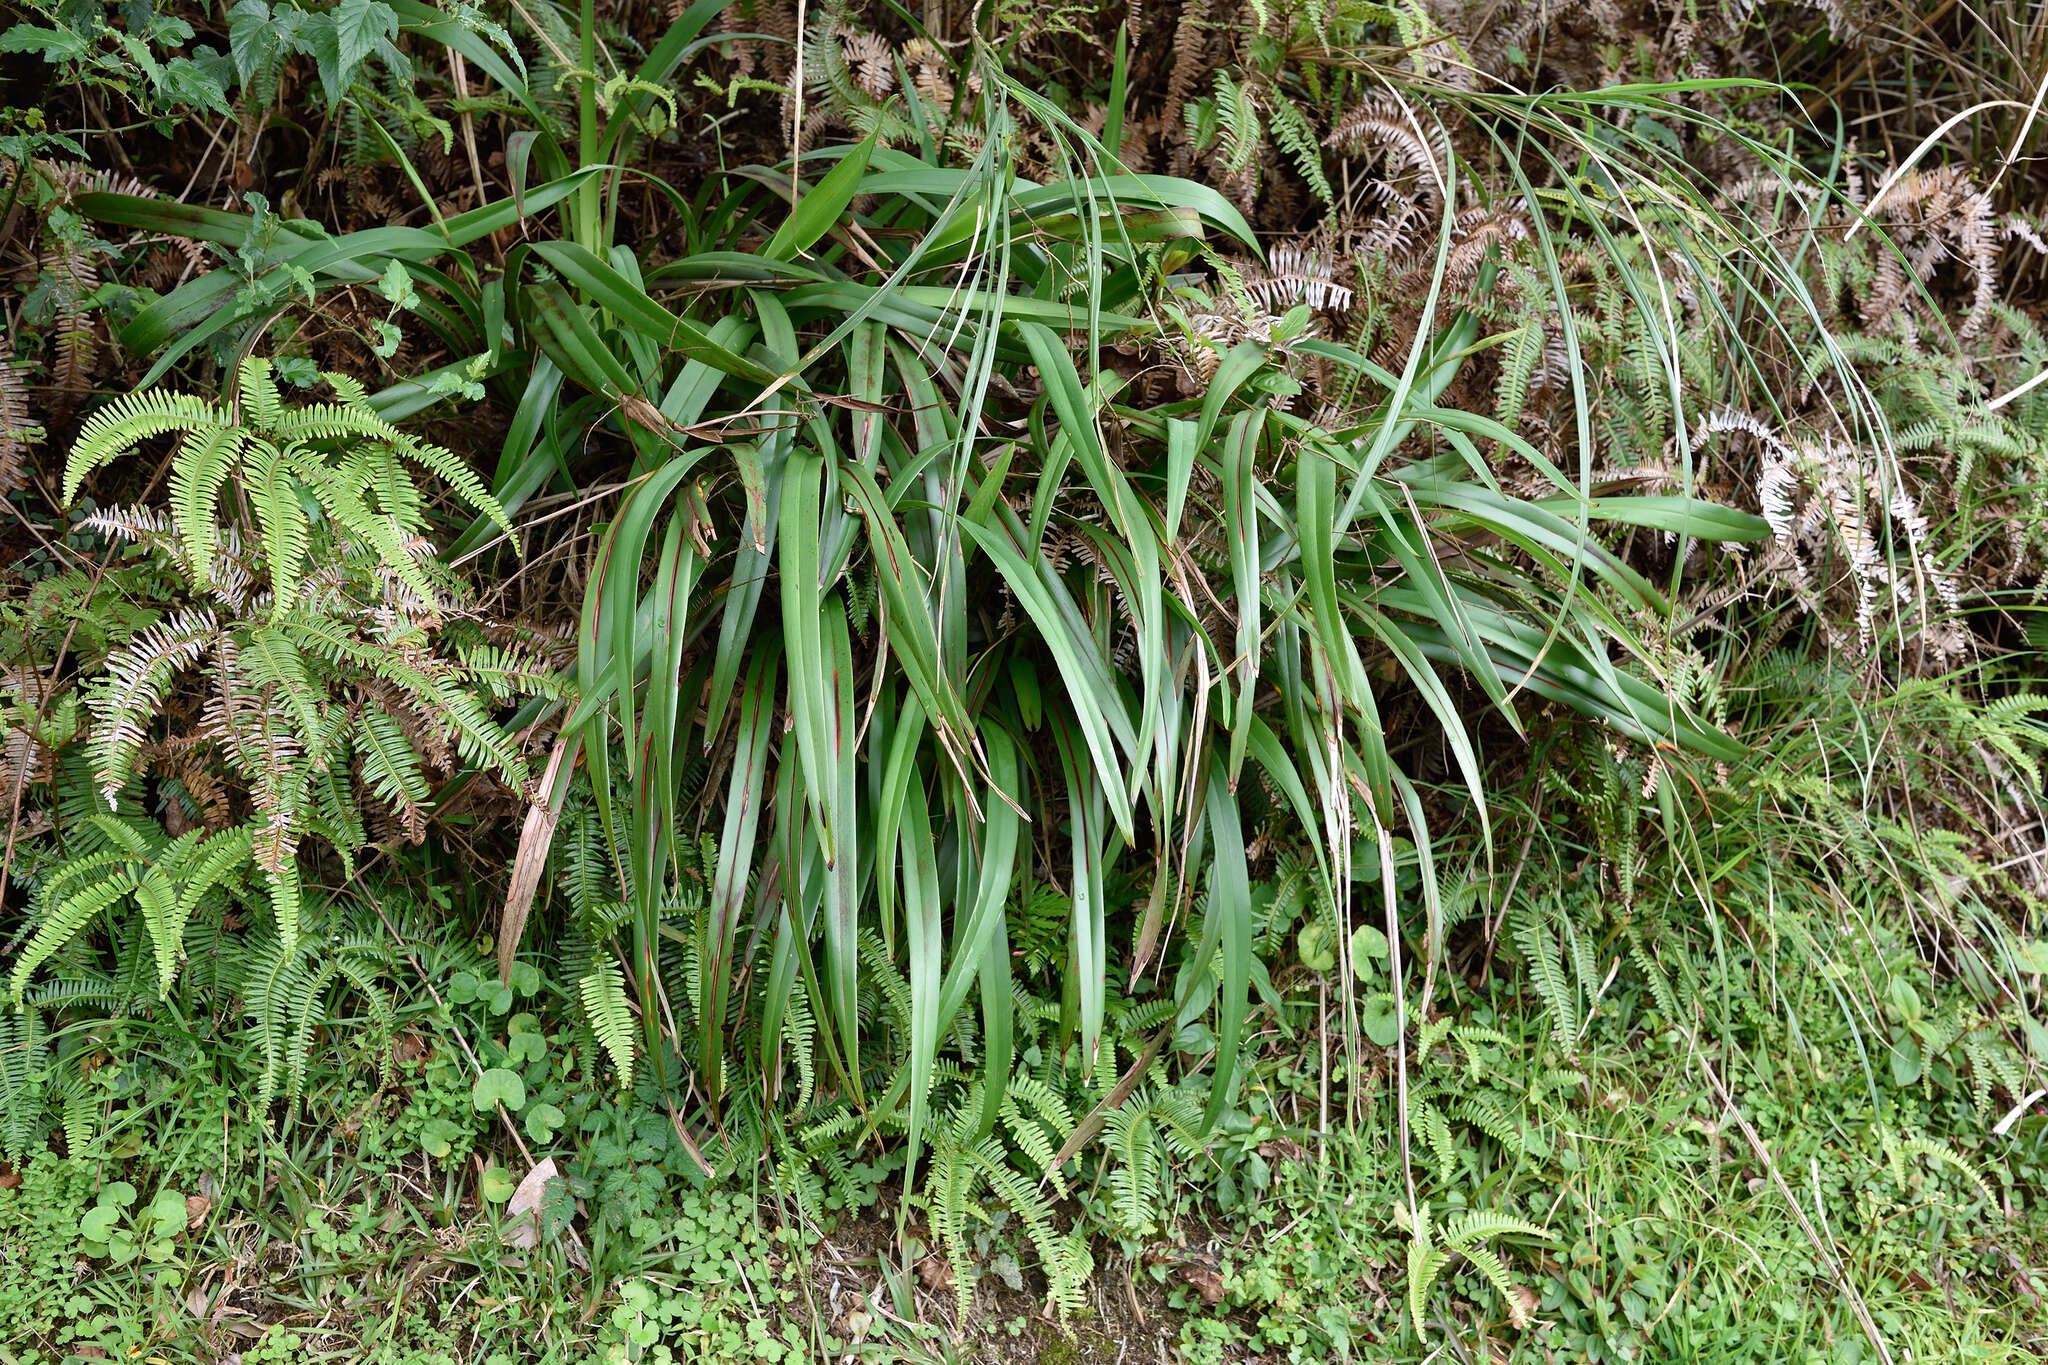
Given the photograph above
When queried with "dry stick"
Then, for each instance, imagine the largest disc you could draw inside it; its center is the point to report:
(1091, 1123)
(459, 70)
(1820, 1247)
(2020, 139)
(1323, 1066)
(1514, 878)
(597, 494)
(1386, 842)
(211, 143)
(796, 88)
(57, 548)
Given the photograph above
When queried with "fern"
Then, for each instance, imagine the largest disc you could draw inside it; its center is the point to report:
(279, 992)
(1036, 1117)
(391, 768)
(1292, 134)
(58, 924)
(275, 450)
(1533, 935)
(1900, 1149)
(603, 992)
(1517, 367)
(1129, 1140)
(340, 657)
(133, 689)
(1432, 1248)
(24, 1053)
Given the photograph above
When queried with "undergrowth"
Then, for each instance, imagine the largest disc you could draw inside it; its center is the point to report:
(1288, 681)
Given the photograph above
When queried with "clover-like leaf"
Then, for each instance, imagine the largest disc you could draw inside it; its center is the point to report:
(1377, 1017)
(118, 1193)
(1312, 945)
(542, 1122)
(497, 1184)
(498, 1086)
(437, 1137)
(1368, 947)
(2031, 955)
(97, 1224)
(167, 1214)
(396, 286)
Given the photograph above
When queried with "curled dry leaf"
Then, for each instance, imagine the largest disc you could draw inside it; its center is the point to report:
(522, 1214)
(1206, 1282)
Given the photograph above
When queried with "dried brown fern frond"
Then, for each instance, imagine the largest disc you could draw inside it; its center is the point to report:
(1300, 271)
(232, 575)
(23, 759)
(67, 258)
(171, 263)
(133, 688)
(17, 432)
(930, 73)
(743, 53)
(1480, 232)
(69, 179)
(1932, 217)
(871, 60)
(190, 761)
(1190, 59)
(1380, 127)
(69, 266)
(1828, 504)
(251, 722)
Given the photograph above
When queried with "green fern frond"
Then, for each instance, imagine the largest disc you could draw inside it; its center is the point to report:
(603, 992)
(58, 925)
(391, 766)
(1902, 1148)
(283, 884)
(260, 400)
(1546, 972)
(274, 494)
(130, 420)
(1430, 1251)
(1038, 1118)
(1130, 1144)
(1517, 369)
(275, 990)
(1293, 135)
(1491, 1121)
(24, 1053)
(1484, 1224)
(202, 466)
